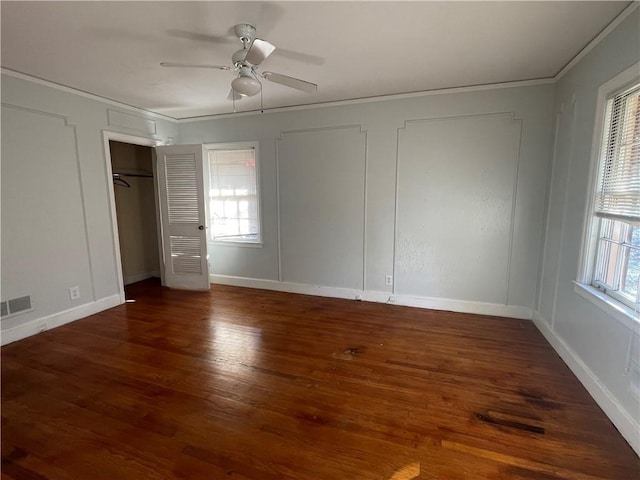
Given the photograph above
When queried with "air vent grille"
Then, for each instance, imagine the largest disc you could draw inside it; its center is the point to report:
(15, 306)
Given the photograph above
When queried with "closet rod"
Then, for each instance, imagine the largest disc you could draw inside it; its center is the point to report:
(146, 175)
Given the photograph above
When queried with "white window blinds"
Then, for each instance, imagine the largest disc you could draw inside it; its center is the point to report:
(233, 195)
(618, 193)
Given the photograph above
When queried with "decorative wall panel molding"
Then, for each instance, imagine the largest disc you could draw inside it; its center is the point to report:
(556, 211)
(40, 162)
(321, 206)
(456, 189)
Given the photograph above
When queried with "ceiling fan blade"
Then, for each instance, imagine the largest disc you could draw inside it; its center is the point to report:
(291, 82)
(233, 95)
(258, 52)
(300, 57)
(202, 37)
(193, 65)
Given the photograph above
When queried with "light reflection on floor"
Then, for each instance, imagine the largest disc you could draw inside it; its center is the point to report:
(407, 472)
(235, 346)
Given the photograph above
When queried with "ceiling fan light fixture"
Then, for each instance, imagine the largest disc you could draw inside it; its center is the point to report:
(245, 86)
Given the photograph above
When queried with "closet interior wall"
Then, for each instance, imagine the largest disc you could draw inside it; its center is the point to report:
(136, 211)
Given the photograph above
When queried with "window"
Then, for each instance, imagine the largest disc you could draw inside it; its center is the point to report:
(616, 262)
(232, 202)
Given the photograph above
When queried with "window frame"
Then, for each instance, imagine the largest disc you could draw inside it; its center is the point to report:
(621, 262)
(207, 147)
(585, 284)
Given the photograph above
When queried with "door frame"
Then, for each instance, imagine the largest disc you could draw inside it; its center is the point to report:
(145, 142)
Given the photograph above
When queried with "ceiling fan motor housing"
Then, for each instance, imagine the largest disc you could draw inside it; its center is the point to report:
(238, 58)
(245, 32)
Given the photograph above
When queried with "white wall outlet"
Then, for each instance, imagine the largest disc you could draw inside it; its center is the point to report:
(388, 280)
(74, 293)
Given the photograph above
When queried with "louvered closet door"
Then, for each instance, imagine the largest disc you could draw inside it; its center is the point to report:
(181, 194)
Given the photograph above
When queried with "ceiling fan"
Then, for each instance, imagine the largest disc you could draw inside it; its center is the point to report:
(245, 65)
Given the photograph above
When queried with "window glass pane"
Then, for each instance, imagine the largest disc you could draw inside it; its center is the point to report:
(233, 181)
(614, 230)
(632, 273)
(619, 231)
(635, 236)
(617, 267)
(608, 254)
(632, 268)
(606, 228)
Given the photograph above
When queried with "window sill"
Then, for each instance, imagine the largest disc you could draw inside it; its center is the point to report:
(608, 305)
(218, 243)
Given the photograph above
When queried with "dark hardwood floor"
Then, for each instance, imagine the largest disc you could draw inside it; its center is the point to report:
(250, 384)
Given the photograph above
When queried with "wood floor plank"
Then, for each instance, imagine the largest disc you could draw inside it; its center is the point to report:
(258, 385)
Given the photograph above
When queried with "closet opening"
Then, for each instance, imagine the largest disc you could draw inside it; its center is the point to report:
(135, 202)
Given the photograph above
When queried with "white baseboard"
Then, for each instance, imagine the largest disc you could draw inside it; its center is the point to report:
(140, 277)
(320, 291)
(464, 306)
(624, 422)
(378, 296)
(39, 325)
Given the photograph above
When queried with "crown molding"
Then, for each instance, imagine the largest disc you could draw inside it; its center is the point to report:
(379, 98)
(356, 101)
(597, 39)
(81, 93)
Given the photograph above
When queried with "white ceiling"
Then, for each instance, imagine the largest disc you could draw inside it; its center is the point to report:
(351, 49)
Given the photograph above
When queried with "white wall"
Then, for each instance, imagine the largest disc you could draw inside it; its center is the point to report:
(593, 343)
(469, 189)
(56, 223)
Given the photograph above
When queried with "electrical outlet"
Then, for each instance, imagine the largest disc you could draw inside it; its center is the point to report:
(74, 293)
(388, 280)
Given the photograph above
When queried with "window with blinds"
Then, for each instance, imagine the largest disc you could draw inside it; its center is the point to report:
(617, 201)
(233, 203)
(618, 192)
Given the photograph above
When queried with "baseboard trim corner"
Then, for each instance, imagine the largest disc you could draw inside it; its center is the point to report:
(138, 277)
(39, 325)
(628, 427)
